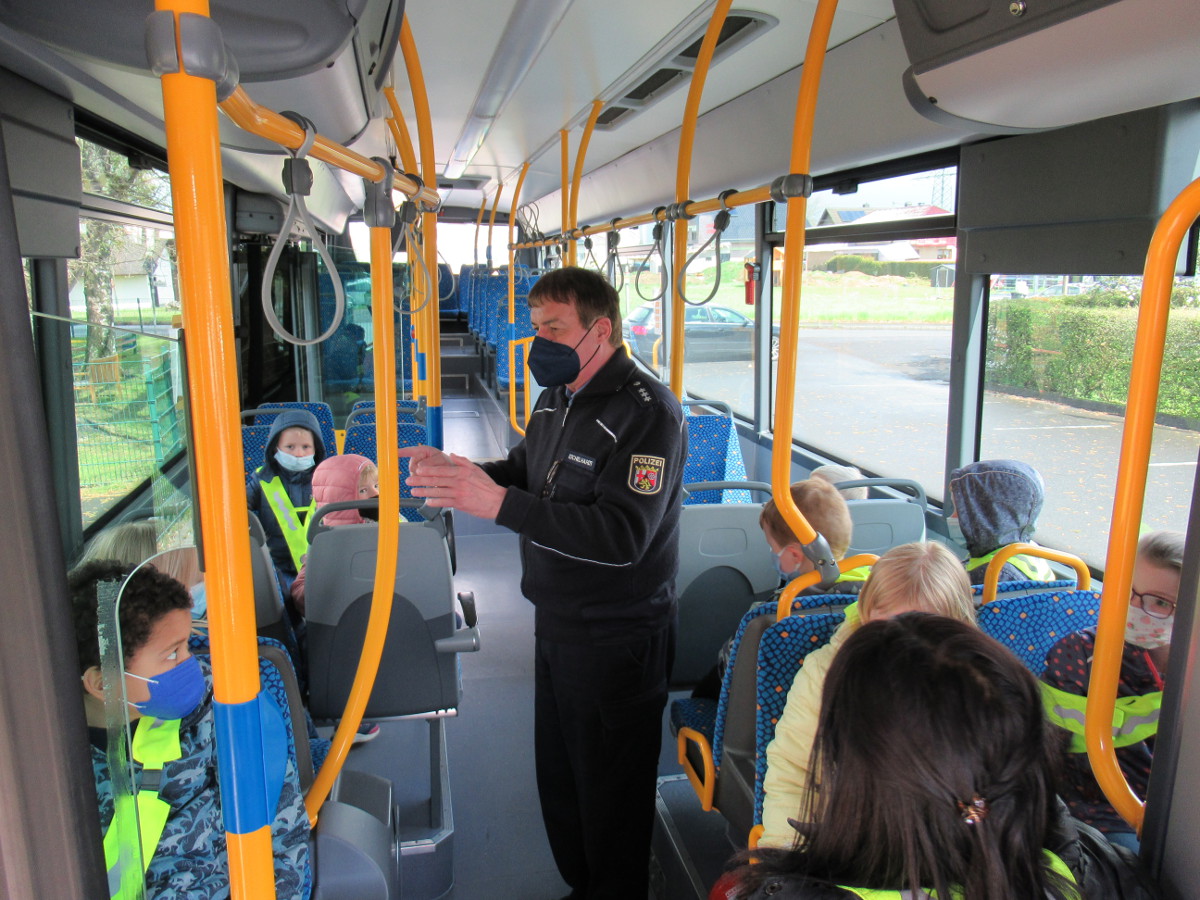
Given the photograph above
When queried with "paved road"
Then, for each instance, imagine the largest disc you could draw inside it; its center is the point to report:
(880, 398)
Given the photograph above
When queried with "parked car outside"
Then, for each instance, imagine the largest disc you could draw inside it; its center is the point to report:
(711, 333)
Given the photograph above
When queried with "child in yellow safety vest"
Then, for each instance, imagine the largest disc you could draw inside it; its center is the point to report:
(995, 502)
(280, 491)
(1155, 592)
(173, 750)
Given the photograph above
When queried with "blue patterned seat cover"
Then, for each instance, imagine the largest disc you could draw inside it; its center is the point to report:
(1030, 625)
(714, 454)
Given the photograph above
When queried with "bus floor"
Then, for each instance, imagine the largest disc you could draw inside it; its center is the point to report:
(500, 847)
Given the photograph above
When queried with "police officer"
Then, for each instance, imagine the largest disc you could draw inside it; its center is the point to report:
(594, 491)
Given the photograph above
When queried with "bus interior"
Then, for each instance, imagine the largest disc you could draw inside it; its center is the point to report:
(983, 186)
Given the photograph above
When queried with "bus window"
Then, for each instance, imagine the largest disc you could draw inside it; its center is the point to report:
(1056, 377)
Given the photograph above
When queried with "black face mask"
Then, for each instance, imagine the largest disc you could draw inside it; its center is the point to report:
(552, 363)
(371, 513)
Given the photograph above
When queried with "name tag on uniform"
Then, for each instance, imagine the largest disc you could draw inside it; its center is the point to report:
(578, 459)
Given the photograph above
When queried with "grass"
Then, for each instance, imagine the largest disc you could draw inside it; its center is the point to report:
(828, 297)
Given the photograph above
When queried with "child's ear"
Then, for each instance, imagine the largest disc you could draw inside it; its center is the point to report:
(93, 683)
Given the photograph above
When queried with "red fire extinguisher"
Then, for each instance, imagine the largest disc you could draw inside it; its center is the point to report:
(753, 273)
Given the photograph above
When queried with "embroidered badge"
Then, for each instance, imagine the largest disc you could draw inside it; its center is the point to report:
(579, 459)
(645, 473)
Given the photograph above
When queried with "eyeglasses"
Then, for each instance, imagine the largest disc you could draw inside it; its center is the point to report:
(1153, 605)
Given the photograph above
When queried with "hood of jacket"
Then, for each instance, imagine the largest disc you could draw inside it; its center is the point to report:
(336, 481)
(291, 418)
(997, 502)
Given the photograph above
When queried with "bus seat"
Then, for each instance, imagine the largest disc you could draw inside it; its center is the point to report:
(522, 328)
(714, 454)
(406, 414)
(881, 523)
(447, 290)
(1030, 625)
(781, 653)
(254, 447)
(724, 566)
(1023, 588)
(419, 670)
(266, 413)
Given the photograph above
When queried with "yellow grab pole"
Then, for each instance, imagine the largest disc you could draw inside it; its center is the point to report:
(197, 190)
(577, 176)
(783, 608)
(389, 521)
(793, 266)
(991, 578)
(565, 154)
(265, 123)
(404, 144)
(1130, 495)
(511, 335)
(430, 329)
(683, 180)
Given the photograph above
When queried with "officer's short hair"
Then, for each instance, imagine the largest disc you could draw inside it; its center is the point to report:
(589, 292)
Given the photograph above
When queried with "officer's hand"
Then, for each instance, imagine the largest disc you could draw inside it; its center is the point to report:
(455, 481)
(421, 455)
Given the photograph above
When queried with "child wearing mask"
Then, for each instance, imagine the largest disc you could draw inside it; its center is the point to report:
(1154, 595)
(280, 491)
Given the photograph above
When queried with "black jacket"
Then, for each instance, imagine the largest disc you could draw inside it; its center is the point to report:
(594, 490)
(1102, 870)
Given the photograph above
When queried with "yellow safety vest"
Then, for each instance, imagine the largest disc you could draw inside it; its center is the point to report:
(1134, 718)
(293, 521)
(1032, 567)
(1052, 860)
(155, 743)
(858, 574)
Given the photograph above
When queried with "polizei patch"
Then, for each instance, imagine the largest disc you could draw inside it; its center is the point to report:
(645, 473)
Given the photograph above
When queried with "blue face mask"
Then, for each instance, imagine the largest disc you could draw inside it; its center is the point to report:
(199, 601)
(552, 363)
(175, 693)
(295, 463)
(786, 576)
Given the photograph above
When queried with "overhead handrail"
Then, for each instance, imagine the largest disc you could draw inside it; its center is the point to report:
(297, 181)
(795, 188)
(429, 339)
(991, 578)
(1136, 437)
(577, 175)
(511, 332)
(198, 191)
(683, 176)
(808, 579)
(261, 121)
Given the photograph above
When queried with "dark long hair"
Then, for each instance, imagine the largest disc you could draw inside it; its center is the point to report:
(935, 769)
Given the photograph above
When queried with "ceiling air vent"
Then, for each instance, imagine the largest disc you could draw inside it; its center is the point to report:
(672, 66)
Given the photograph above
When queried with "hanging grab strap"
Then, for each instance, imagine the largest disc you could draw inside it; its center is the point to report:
(659, 238)
(297, 181)
(613, 263)
(720, 223)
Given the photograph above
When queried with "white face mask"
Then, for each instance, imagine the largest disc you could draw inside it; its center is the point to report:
(295, 463)
(1146, 631)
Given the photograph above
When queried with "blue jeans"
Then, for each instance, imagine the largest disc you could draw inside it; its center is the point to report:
(1124, 839)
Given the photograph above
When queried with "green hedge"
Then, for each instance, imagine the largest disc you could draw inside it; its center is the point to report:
(1085, 353)
(912, 268)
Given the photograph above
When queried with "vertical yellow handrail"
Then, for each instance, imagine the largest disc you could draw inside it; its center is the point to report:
(429, 325)
(564, 151)
(386, 431)
(197, 190)
(577, 176)
(793, 273)
(511, 333)
(404, 144)
(683, 179)
(1130, 495)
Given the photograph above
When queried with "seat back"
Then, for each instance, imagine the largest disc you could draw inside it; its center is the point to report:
(268, 411)
(414, 677)
(270, 616)
(1031, 624)
(881, 523)
(714, 454)
(447, 290)
(254, 447)
(781, 652)
(724, 566)
(1008, 589)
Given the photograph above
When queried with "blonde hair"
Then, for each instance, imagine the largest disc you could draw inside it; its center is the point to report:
(367, 474)
(924, 577)
(131, 543)
(822, 505)
(835, 475)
